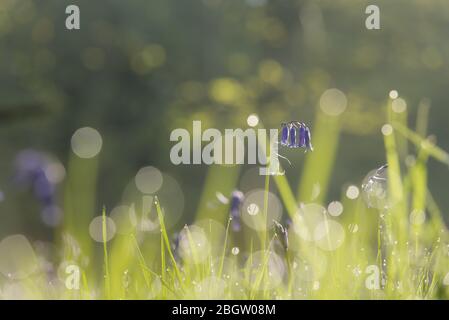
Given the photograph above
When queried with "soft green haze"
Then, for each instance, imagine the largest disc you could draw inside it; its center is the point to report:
(136, 70)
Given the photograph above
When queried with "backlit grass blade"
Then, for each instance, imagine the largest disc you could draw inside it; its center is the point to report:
(433, 150)
(166, 241)
(107, 279)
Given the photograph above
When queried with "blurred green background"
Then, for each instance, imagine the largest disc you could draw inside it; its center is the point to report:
(138, 69)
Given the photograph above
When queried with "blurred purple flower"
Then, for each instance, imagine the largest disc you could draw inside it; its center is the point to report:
(175, 245)
(30, 173)
(237, 198)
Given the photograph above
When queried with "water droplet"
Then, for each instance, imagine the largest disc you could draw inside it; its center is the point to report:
(374, 188)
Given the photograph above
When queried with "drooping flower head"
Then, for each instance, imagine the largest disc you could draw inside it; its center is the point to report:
(285, 130)
(302, 135)
(308, 139)
(295, 134)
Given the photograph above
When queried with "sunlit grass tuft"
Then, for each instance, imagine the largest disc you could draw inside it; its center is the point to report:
(397, 251)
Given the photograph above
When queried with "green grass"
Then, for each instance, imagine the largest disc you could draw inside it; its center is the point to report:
(412, 258)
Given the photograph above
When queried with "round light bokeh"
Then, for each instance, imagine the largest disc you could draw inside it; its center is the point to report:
(333, 102)
(149, 180)
(171, 201)
(252, 120)
(96, 229)
(306, 220)
(17, 257)
(215, 233)
(399, 105)
(387, 129)
(55, 172)
(275, 268)
(124, 218)
(329, 235)
(335, 208)
(393, 94)
(252, 210)
(352, 192)
(86, 142)
(194, 245)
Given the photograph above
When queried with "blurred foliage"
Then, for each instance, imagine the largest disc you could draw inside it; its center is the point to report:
(137, 69)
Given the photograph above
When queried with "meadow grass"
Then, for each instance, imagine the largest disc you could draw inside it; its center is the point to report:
(389, 252)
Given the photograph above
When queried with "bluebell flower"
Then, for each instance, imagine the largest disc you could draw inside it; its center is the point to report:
(284, 134)
(237, 198)
(295, 134)
(302, 135)
(308, 139)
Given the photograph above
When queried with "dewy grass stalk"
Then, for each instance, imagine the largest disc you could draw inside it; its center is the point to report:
(397, 251)
(107, 279)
